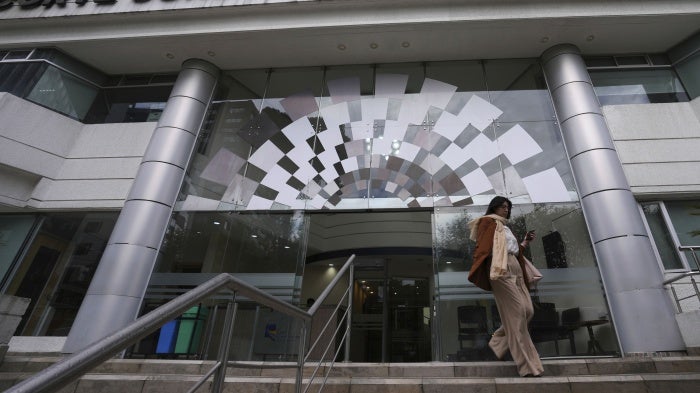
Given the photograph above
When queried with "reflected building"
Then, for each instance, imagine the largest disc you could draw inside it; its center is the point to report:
(134, 170)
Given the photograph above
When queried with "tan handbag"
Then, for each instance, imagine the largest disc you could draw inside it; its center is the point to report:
(533, 275)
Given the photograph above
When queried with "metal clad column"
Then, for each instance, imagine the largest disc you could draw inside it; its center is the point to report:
(641, 310)
(117, 289)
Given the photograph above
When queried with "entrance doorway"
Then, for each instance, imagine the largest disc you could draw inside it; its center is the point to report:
(393, 280)
(391, 312)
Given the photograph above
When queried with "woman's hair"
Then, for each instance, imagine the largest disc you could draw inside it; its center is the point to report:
(497, 202)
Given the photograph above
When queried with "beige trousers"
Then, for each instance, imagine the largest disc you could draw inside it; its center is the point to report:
(515, 308)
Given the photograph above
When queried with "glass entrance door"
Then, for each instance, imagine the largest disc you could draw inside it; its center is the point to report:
(391, 313)
(393, 279)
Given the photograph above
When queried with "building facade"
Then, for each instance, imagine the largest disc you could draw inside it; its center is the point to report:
(146, 146)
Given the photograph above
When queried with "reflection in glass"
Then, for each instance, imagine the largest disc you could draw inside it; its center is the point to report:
(684, 216)
(56, 270)
(63, 93)
(571, 286)
(661, 236)
(385, 136)
(637, 87)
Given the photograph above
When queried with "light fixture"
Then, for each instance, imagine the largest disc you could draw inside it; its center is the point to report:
(544, 40)
(170, 55)
(448, 262)
(211, 53)
(374, 45)
(217, 223)
(342, 47)
(590, 37)
(330, 265)
(286, 246)
(253, 236)
(405, 44)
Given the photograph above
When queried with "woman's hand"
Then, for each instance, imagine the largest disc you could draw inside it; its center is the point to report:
(529, 236)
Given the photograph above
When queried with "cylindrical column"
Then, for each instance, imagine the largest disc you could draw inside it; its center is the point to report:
(115, 294)
(641, 310)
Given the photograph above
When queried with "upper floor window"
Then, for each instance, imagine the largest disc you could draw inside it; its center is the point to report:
(675, 229)
(635, 79)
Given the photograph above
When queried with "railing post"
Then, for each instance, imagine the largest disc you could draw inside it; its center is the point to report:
(301, 357)
(217, 384)
(351, 288)
(675, 297)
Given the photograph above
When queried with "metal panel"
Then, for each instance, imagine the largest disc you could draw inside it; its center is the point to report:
(623, 261)
(564, 69)
(581, 134)
(141, 223)
(171, 145)
(612, 213)
(573, 99)
(157, 181)
(598, 170)
(201, 65)
(98, 317)
(643, 315)
(184, 113)
(123, 263)
(194, 84)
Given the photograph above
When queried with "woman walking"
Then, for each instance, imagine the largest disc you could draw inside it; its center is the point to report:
(498, 266)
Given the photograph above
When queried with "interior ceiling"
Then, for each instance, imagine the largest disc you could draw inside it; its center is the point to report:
(282, 36)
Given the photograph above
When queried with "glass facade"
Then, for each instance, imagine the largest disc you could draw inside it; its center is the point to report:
(296, 169)
(645, 86)
(385, 136)
(57, 82)
(54, 270)
(565, 300)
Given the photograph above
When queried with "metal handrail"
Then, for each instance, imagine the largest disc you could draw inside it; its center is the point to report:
(347, 267)
(72, 367)
(691, 274)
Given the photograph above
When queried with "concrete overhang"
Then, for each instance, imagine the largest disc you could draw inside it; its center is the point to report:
(354, 32)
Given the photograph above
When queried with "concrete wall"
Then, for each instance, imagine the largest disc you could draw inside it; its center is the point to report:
(659, 146)
(49, 161)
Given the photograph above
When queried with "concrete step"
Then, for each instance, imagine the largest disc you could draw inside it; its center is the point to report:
(171, 383)
(635, 374)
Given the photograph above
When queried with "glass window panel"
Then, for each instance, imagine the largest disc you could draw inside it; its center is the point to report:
(517, 87)
(533, 163)
(685, 217)
(57, 268)
(637, 87)
(562, 252)
(382, 136)
(13, 233)
(242, 84)
(63, 93)
(662, 238)
(689, 74)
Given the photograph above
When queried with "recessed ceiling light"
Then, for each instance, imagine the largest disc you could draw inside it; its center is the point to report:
(330, 265)
(170, 55)
(590, 37)
(374, 45)
(448, 262)
(544, 40)
(405, 44)
(253, 236)
(342, 47)
(217, 223)
(286, 246)
(211, 53)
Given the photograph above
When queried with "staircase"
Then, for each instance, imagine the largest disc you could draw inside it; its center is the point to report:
(679, 374)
